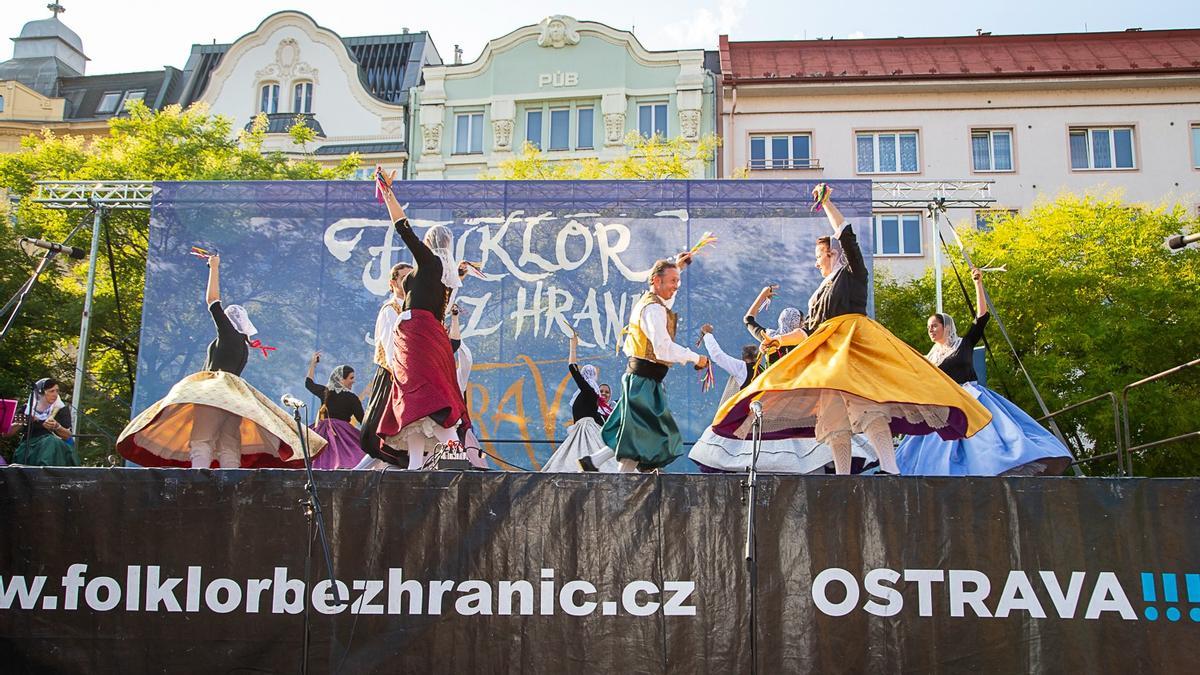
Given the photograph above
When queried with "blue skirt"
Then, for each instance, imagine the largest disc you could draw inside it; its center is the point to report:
(1013, 439)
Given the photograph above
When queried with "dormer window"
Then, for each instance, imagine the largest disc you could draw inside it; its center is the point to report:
(268, 98)
(109, 103)
(302, 95)
(136, 95)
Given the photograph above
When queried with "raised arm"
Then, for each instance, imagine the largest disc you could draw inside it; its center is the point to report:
(981, 303)
(572, 356)
(735, 367)
(420, 251)
(213, 291)
(843, 232)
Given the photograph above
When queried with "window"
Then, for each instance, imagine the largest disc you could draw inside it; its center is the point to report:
(560, 129)
(1, 103)
(468, 133)
(302, 97)
(652, 119)
(793, 151)
(1102, 148)
(1195, 141)
(533, 128)
(898, 234)
(584, 120)
(268, 99)
(991, 149)
(985, 217)
(887, 152)
(367, 173)
(109, 102)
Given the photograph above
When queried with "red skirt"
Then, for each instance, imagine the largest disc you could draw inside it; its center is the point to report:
(426, 384)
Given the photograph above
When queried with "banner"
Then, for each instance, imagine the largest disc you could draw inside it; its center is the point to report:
(133, 570)
(310, 261)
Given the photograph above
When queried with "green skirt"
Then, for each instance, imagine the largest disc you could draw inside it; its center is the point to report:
(642, 427)
(45, 450)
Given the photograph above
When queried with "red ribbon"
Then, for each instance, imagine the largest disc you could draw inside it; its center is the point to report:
(257, 344)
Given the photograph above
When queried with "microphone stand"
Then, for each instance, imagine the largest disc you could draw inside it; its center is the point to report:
(314, 515)
(19, 297)
(750, 486)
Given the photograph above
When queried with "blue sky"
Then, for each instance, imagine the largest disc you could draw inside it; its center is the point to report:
(130, 35)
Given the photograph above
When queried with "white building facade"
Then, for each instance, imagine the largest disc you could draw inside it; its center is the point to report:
(1038, 115)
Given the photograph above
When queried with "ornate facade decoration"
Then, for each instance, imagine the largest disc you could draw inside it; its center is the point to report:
(288, 65)
(502, 131)
(558, 31)
(614, 128)
(689, 124)
(432, 135)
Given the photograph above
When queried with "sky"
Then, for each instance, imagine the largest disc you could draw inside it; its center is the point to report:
(132, 35)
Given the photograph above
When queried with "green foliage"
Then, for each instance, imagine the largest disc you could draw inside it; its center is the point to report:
(647, 159)
(173, 144)
(1093, 301)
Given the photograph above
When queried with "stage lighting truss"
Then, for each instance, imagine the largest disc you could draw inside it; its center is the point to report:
(944, 194)
(109, 194)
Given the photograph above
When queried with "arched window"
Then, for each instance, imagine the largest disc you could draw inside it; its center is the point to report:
(268, 99)
(302, 95)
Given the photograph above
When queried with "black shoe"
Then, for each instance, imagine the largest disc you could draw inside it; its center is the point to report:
(586, 464)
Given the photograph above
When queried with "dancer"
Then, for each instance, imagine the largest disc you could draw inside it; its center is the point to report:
(848, 374)
(605, 405)
(339, 407)
(1013, 444)
(463, 362)
(380, 390)
(426, 402)
(215, 411)
(45, 428)
(714, 454)
(583, 438)
(641, 430)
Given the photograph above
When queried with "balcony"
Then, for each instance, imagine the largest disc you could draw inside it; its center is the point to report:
(280, 123)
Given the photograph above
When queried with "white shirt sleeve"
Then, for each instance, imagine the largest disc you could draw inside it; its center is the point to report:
(654, 322)
(735, 367)
(385, 323)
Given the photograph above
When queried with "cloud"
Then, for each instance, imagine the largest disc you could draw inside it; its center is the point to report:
(856, 35)
(702, 28)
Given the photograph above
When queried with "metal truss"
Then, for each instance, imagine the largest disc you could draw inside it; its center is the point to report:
(944, 194)
(87, 194)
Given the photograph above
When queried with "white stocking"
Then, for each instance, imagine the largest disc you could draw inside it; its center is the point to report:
(604, 456)
(201, 453)
(840, 444)
(627, 465)
(880, 437)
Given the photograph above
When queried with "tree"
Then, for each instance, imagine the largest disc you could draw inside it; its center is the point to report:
(1092, 301)
(172, 144)
(647, 159)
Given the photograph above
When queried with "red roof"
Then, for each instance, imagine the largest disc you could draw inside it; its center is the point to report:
(1062, 54)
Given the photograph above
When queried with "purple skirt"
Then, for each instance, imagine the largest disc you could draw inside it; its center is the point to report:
(343, 451)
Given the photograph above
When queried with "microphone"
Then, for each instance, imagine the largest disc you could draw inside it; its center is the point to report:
(756, 408)
(76, 253)
(1178, 241)
(291, 401)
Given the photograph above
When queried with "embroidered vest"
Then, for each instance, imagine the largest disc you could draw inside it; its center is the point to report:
(637, 343)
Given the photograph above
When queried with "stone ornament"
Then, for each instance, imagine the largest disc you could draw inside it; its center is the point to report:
(287, 64)
(432, 135)
(689, 124)
(558, 31)
(614, 128)
(502, 131)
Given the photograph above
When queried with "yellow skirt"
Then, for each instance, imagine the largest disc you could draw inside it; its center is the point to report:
(852, 368)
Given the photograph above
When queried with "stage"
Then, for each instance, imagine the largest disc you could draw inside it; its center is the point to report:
(136, 570)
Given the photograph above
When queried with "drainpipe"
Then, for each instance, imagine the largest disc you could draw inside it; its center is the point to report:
(732, 135)
(408, 131)
(716, 128)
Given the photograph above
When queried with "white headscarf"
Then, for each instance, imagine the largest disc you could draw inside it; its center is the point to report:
(334, 385)
(240, 320)
(31, 409)
(464, 361)
(839, 261)
(940, 350)
(592, 376)
(440, 240)
(789, 320)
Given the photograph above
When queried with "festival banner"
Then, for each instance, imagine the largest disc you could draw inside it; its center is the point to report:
(136, 570)
(310, 262)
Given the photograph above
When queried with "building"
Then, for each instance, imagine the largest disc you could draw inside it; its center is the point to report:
(572, 88)
(353, 92)
(1037, 114)
(43, 86)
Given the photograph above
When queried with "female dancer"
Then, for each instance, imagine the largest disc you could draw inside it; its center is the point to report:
(1012, 444)
(339, 406)
(426, 402)
(583, 439)
(380, 395)
(847, 373)
(215, 411)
